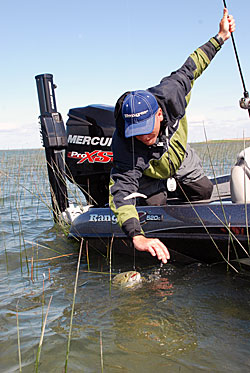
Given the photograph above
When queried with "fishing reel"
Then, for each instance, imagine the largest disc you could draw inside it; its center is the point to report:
(245, 103)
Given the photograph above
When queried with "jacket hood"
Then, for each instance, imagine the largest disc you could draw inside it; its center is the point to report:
(119, 121)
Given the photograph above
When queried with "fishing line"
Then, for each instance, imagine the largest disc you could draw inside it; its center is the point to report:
(244, 102)
(133, 152)
(128, 11)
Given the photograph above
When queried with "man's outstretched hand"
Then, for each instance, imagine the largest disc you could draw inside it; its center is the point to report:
(152, 245)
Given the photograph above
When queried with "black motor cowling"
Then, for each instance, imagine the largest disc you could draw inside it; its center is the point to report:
(89, 156)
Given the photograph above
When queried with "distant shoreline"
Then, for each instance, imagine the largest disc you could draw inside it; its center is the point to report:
(219, 141)
(196, 142)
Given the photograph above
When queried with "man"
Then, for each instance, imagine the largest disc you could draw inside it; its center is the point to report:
(151, 155)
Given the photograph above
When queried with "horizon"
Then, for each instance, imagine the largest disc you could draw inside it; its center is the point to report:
(195, 142)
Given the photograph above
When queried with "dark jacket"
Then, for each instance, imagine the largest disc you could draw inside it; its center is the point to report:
(132, 158)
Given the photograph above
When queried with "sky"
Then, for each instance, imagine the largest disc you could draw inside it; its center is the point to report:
(96, 50)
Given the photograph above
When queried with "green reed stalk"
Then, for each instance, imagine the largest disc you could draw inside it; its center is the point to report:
(37, 267)
(21, 259)
(228, 246)
(32, 269)
(18, 340)
(73, 307)
(217, 187)
(44, 247)
(11, 215)
(101, 351)
(5, 250)
(209, 234)
(21, 238)
(78, 187)
(43, 299)
(41, 338)
(17, 183)
(110, 260)
(87, 253)
(231, 233)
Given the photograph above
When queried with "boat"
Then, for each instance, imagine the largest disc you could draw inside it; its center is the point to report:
(208, 231)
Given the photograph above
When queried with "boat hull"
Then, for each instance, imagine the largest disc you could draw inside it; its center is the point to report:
(207, 232)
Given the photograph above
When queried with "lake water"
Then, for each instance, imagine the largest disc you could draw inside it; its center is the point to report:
(188, 319)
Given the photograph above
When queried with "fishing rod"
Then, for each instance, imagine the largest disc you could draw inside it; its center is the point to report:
(244, 101)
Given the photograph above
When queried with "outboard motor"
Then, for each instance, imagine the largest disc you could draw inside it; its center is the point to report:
(240, 178)
(89, 157)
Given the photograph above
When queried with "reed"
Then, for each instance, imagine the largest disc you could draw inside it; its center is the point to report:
(43, 299)
(32, 267)
(101, 351)
(21, 238)
(18, 341)
(217, 187)
(73, 307)
(209, 234)
(41, 338)
(17, 179)
(50, 258)
(226, 224)
(87, 253)
(110, 262)
(5, 251)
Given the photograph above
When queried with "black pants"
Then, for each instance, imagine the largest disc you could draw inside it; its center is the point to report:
(193, 191)
(192, 184)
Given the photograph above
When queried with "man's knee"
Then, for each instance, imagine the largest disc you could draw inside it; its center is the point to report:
(157, 199)
(198, 190)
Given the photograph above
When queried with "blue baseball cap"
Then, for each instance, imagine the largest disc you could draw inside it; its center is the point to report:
(138, 111)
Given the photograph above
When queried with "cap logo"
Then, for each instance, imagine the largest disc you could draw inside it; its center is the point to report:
(136, 115)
